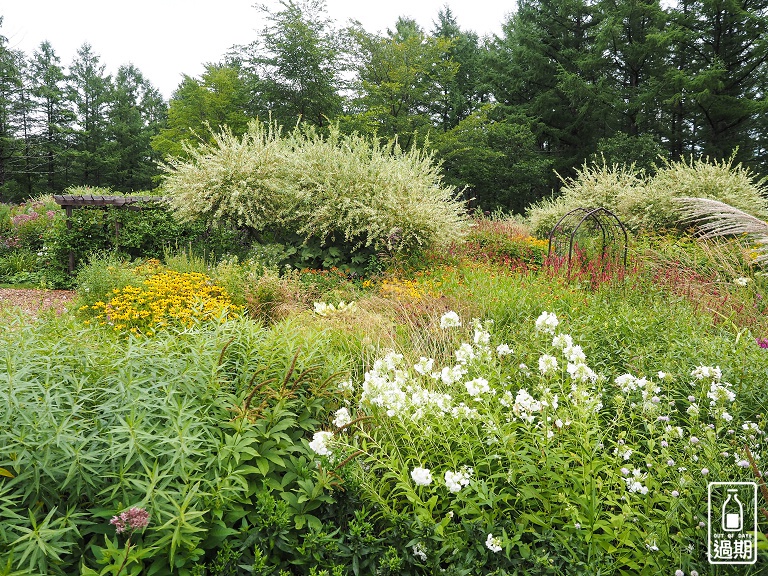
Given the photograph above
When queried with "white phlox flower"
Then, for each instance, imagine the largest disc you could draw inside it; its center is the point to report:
(419, 552)
(465, 353)
(562, 341)
(455, 481)
(493, 544)
(547, 364)
(525, 405)
(574, 354)
(547, 322)
(341, 418)
(424, 365)
(320, 442)
(707, 373)
(450, 320)
(421, 476)
(477, 387)
(503, 350)
(581, 372)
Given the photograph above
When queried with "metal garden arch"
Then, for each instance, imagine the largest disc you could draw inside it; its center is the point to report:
(611, 234)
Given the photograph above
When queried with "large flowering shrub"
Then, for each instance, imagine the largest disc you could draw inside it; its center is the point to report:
(536, 454)
(646, 203)
(335, 200)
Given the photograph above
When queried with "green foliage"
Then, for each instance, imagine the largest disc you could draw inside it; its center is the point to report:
(403, 77)
(211, 429)
(335, 200)
(645, 203)
(153, 426)
(148, 232)
(494, 155)
(294, 66)
(199, 106)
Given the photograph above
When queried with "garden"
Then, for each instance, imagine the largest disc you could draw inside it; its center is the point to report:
(311, 360)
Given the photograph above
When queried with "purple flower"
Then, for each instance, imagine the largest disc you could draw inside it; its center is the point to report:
(132, 519)
(762, 342)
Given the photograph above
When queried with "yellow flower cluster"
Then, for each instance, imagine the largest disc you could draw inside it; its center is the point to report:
(409, 289)
(167, 298)
(538, 243)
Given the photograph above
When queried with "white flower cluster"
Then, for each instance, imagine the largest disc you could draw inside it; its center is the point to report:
(628, 383)
(323, 309)
(421, 476)
(503, 350)
(320, 443)
(493, 544)
(450, 320)
(455, 481)
(341, 418)
(581, 372)
(390, 385)
(547, 364)
(634, 482)
(573, 353)
(395, 387)
(547, 322)
(707, 373)
(477, 387)
(525, 405)
(649, 391)
(720, 393)
(419, 552)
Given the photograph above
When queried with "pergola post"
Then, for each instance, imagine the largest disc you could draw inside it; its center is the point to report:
(70, 201)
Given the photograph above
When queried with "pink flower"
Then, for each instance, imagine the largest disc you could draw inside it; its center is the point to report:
(132, 519)
(762, 342)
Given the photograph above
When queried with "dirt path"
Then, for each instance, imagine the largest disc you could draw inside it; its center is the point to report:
(33, 301)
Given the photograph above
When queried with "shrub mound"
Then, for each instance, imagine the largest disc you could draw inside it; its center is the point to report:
(645, 203)
(337, 199)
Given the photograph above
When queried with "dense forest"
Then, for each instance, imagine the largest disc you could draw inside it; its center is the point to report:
(568, 81)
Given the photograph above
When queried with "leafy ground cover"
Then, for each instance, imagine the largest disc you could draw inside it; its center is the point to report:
(477, 411)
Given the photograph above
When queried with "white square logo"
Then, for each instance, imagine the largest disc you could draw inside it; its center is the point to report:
(732, 523)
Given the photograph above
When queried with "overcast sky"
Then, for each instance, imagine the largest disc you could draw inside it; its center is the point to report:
(167, 38)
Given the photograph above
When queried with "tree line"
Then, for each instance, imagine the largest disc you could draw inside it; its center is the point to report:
(567, 81)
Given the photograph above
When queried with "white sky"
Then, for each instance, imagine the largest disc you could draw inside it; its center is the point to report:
(167, 38)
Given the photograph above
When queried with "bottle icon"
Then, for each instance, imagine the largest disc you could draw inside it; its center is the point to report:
(733, 512)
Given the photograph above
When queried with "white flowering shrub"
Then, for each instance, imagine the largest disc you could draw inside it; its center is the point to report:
(346, 193)
(646, 203)
(597, 469)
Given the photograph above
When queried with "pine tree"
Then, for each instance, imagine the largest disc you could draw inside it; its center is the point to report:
(546, 67)
(462, 91)
(135, 116)
(11, 99)
(52, 117)
(88, 91)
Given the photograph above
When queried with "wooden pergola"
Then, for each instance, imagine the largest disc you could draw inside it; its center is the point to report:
(70, 201)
